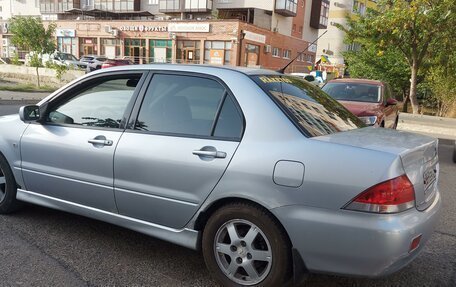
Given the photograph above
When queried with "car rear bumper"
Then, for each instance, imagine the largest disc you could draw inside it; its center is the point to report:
(355, 243)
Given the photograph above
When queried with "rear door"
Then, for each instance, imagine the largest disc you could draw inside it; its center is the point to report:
(182, 138)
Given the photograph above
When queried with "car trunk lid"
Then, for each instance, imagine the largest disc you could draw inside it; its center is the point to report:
(418, 154)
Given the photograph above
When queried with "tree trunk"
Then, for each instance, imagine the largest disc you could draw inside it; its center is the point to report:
(38, 76)
(413, 80)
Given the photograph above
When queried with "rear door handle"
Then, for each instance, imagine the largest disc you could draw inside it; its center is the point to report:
(210, 153)
(104, 142)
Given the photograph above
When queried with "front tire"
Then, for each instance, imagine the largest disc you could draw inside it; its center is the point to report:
(243, 245)
(8, 188)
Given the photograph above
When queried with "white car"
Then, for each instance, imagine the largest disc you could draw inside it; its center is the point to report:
(308, 77)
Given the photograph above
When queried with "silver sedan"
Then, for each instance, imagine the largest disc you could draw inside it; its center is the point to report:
(265, 173)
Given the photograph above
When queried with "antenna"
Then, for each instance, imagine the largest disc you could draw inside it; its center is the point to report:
(299, 54)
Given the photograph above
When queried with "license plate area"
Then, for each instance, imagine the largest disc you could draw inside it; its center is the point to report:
(429, 178)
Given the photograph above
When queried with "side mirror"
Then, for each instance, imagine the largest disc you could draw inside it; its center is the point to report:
(29, 113)
(309, 78)
(391, 102)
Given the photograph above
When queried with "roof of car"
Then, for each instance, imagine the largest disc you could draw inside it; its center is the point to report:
(195, 68)
(354, 80)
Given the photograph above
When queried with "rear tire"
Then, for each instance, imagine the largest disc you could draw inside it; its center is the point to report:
(243, 245)
(8, 188)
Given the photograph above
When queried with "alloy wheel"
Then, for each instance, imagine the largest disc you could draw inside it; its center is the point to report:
(243, 252)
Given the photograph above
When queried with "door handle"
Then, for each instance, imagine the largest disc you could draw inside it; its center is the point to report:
(104, 142)
(210, 153)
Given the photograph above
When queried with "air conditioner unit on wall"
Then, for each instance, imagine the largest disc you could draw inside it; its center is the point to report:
(107, 28)
(115, 32)
(267, 49)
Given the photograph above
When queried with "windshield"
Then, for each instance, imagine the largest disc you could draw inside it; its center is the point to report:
(356, 92)
(312, 111)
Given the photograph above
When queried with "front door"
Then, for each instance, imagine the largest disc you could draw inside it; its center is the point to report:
(70, 156)
(189, 55)
(166, 166)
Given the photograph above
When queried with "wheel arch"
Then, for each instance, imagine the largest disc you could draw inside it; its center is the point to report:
(299, 268)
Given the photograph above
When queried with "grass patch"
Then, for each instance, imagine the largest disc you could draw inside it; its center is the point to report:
(27, 88)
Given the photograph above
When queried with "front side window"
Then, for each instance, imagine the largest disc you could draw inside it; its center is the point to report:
(189, 106)
(102, 104)
(312, 111)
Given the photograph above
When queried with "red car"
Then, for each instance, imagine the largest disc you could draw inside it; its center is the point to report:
(371, 101)
(116, 62)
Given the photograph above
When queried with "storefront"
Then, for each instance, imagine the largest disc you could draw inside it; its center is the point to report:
(135, 49)
(88, 46)
(213, 42)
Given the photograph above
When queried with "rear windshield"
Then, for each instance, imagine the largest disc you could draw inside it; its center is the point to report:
(310, 109)
(356, 92)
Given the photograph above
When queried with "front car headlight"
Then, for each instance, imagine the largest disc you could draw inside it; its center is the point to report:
(370, 120)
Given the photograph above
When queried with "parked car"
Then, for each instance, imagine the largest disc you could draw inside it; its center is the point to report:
(94, 62)
(371, 101)
(116, 62)
(308, 77)
(263, 172)
(68, 59)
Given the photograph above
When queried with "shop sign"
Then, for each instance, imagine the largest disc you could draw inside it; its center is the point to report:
(143, 28)
(88, 41)
(189, 27)
(217, 57)
(260, 38)
(65, 33)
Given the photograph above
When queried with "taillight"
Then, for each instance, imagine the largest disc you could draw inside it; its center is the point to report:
(394, 195)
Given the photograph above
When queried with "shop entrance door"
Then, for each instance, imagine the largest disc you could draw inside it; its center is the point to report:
(89, 50)
(135, 54)
(160, 55)
(189, 55)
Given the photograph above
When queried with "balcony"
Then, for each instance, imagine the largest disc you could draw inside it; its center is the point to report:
(286, 8)
(177, 6)
(170, 6)
(198, 5)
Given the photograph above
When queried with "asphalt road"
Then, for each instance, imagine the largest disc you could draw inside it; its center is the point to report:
(43, 247)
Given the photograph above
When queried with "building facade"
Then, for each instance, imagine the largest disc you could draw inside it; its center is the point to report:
(267, 33)
(331, 45)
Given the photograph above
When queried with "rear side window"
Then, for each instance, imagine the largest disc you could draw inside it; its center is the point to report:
(310, 109)
(187, 105)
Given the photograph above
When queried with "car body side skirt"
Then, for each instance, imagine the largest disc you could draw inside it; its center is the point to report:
(185, 237)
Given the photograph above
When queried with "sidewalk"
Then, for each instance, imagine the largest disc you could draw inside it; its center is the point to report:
(444, 128)
(10, 97)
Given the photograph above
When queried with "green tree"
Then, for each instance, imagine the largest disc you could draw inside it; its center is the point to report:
(388, 66)
(415, 27)
(30, 34)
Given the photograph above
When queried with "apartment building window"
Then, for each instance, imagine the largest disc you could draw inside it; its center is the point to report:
(324, 14)
(115, 5)
(153, 2)
(217, 52)
(160, 51)
(275, 52)
(198, 5)
(359, 7)
(287, 54)
(170, 5)
(300, 29)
